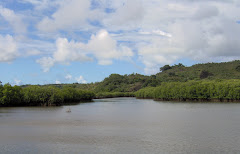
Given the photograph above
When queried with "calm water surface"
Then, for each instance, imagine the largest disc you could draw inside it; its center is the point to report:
(122, 125)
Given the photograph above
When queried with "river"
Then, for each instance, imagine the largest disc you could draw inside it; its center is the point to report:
(122, 125)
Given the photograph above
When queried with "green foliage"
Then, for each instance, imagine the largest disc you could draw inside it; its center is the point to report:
(205, 74)
(36, 95)
(165, 67)
(10, 95)
(179, 65)
(114, 94)
(238, 68)
(226, 70)
(41, 95)
(147, 92)
(73, 94)
(194, 90)
(124, 83)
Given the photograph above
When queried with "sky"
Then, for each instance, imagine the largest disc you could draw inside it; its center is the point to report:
(84, 41)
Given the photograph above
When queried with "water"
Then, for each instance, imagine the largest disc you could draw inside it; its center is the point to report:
(122, 125)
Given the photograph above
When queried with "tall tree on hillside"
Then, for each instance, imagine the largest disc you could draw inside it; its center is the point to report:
(164, 68)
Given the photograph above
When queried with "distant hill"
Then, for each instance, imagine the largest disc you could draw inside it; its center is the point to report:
(211, 71)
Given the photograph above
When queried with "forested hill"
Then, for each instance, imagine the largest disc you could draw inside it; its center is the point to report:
(212, 71)
(175, 73)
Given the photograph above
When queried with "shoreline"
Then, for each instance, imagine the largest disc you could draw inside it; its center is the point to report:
(49, 105)
(164, 100)
(193, 100)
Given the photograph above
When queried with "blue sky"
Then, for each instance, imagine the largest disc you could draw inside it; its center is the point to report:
(67, 41)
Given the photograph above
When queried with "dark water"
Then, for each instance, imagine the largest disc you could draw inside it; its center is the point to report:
(122, 125)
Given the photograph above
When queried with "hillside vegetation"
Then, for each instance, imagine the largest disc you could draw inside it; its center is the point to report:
(176, 73)
(211, 71)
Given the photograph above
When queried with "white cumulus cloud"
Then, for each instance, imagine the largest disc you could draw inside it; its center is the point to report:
(80, 79)
(105, 48)
(8, 48)
(68, 77)
(46, 63)
(100, 46)
(58, 82)
(17, 82)
(160, 31)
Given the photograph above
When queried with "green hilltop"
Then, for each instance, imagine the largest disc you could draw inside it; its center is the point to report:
(211, 71)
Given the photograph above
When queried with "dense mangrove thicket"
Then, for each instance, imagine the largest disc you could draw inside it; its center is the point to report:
(220, 90)
(114, 94)
(41, 96)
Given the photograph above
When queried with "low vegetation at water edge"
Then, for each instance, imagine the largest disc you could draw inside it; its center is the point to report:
(219, 90)
(41, 95)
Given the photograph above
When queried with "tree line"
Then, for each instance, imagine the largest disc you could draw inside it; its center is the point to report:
(41, 95)
(209, 90)
(203, 90)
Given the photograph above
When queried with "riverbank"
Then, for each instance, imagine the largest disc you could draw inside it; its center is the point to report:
(197, 100)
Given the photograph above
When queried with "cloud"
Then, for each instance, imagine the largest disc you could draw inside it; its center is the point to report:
(155, 32)
(105, 48)
(127, 15)
(17, 82)
(15, 20)
(32, 53)
(206, 11)
(80, 79)
(58, 82)
(72, 14)
(32, 47)
(159, 32)
(46, 63)
(171, 30)
(157, 53)
(69, 51)
(100, 46)
(68, 77)
(8, 48)
(42, 4)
